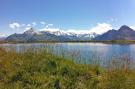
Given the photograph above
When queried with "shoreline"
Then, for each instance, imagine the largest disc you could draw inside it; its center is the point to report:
(92, 41)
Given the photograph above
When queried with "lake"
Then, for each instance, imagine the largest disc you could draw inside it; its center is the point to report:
(82, 52)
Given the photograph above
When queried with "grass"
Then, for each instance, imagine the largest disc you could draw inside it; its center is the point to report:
(43, 70)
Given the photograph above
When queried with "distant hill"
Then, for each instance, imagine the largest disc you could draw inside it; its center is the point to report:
(124, 33)
(33, 36)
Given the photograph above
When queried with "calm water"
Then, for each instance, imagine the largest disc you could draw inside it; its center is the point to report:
(84, 52)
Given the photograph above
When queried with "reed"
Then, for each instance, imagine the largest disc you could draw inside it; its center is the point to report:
(41, 69)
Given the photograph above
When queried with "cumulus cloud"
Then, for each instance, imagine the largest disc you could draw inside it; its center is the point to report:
(133, 27)
(14, 25)
(22, 27)
(101, 28)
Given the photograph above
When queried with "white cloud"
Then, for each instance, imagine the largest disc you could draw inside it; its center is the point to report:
(49, 25)
(27, 28)
(14, 25)
(133, 27)
(2, 35)
(101, 28)
(23, 25)
(29, 25)
(46, 26)
(78, 31)
(50, 29)
(34, 23)
(42, 22)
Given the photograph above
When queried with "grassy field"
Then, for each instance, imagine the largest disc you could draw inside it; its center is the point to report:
(43, 70)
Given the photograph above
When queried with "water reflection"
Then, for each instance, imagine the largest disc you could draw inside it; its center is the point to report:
(82, 52)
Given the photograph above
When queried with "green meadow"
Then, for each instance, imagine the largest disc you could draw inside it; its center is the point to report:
(43, 70)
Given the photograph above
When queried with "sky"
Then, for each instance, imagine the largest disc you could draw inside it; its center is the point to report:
(17, 16)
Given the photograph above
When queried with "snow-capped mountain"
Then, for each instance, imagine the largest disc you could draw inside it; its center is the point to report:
(32, 35)
(31, 31)
(64, 33)
(57, 33)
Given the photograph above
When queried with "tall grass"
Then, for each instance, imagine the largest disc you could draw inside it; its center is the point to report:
(41, 69)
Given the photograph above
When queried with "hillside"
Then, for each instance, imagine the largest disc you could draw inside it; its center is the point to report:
(124, 33)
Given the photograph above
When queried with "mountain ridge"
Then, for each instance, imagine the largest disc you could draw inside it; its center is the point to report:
(32, 36)
(123, 33)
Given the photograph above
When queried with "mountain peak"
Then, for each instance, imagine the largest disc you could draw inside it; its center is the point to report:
(125, 27)
(30, 31)
(124, 33)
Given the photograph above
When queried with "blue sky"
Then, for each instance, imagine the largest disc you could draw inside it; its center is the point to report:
(65, 14)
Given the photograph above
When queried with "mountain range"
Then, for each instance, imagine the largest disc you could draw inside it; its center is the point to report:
(32, 36)
(123, 33)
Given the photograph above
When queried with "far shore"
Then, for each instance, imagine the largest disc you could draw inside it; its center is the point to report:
(91, 41)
